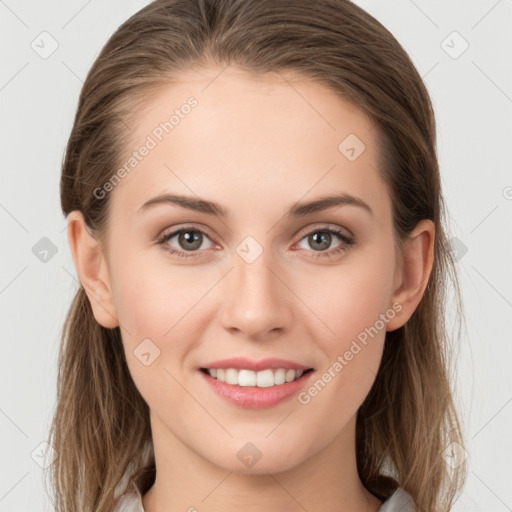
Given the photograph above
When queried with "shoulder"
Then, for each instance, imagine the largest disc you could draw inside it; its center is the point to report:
(130, 501)
(399, 501)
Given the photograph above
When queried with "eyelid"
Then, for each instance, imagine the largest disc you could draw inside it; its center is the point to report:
(170, 232)
(319, 226)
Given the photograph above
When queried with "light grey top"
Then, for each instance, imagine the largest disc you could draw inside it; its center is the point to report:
(399, 501)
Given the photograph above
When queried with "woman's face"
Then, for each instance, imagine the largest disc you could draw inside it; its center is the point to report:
(269, 280)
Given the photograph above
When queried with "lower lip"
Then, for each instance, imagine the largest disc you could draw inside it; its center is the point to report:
(252, 397)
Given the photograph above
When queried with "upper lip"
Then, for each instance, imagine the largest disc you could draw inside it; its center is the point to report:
(249, 364)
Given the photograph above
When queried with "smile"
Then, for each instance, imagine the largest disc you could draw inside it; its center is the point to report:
(250, 378)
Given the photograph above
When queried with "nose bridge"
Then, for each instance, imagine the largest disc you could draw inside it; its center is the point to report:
(256, 302)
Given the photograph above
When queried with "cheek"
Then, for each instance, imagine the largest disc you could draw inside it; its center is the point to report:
(349, 299)
(353, 304)
(151, 299)
(153, 310)
(159, 308)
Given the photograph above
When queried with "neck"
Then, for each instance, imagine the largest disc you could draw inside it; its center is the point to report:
(327, 481)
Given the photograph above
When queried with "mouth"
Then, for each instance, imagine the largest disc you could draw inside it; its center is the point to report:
(250, 384)
(266, 378)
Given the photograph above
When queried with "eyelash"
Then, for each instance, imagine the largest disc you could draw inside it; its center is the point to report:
(347, 242)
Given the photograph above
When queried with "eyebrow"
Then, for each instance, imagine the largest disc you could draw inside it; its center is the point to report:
(297, 210)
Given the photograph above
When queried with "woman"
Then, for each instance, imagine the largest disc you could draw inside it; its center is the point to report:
(255, 214)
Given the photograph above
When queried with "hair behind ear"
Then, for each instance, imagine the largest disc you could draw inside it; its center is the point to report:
(98, 428)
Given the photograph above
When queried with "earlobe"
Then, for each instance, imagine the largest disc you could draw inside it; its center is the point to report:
(413, 272)
(92, 270)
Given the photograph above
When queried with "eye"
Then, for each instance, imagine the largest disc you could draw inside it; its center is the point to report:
(321, 239)
(188, 240)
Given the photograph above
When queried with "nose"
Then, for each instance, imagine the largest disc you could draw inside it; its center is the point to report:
(258, 303)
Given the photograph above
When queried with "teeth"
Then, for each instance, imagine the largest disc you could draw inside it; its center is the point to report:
(246, 378)
(231, 376)
(261, 379)
(265, 379)
(279, 376)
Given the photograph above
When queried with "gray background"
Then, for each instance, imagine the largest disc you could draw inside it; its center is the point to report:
(472, 94)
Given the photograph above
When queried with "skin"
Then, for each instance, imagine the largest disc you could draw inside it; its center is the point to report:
(256, 146)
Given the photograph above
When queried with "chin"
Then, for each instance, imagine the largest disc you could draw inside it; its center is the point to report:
(258, 457)
(263, 466)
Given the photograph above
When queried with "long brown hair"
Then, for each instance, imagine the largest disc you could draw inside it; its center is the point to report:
(408, 419)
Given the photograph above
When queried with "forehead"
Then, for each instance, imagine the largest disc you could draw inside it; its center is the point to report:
(277, 136)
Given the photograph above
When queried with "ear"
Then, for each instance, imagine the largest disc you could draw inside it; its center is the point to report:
(92, 270)
(413, 272)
